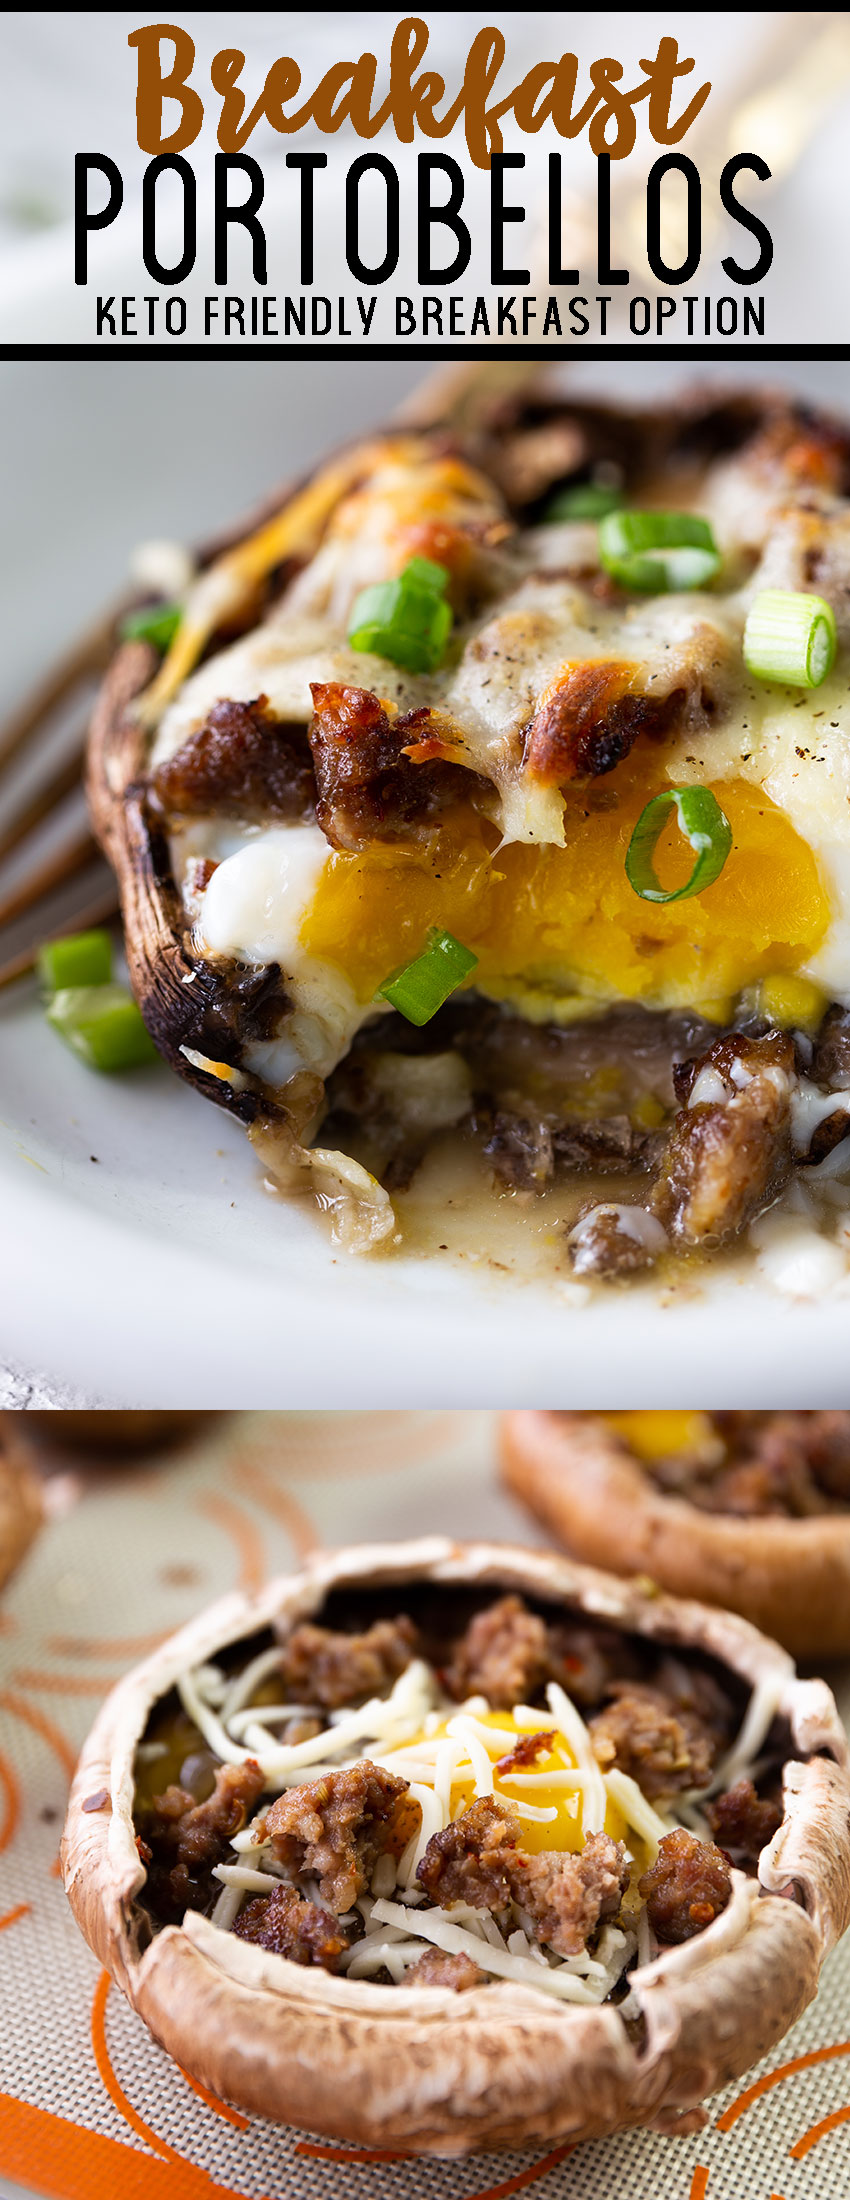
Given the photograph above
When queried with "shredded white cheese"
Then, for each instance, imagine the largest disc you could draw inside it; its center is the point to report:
(758, 1719)
(571, 1724)
(438, 1928)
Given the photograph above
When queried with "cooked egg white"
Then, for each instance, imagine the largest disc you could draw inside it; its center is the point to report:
(254, 910)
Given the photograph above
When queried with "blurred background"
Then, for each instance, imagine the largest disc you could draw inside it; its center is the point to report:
(781, 88)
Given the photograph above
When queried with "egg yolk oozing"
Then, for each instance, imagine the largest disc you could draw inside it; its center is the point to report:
(554, 927)
(561, 1832)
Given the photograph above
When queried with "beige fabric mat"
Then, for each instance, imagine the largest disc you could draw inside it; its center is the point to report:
(90, 2108)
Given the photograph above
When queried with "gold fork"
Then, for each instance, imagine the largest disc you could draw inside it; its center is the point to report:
(59, 882)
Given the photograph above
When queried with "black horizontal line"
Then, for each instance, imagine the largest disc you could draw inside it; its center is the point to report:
(537, 354)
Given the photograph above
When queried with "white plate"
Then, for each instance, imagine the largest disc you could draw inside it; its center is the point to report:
(160, 1273)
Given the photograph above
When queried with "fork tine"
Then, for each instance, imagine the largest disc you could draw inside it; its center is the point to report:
(74, 857)
(86, 657)
(63, 781)
(98, 911)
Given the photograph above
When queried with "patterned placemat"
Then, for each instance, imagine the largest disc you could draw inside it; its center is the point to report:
(90, 2108)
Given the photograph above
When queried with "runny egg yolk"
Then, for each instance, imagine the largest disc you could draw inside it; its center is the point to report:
(564, 1831)
(553, 927)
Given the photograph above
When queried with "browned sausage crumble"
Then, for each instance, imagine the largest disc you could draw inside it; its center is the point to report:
(743, 1822)
(436, 1968)
(331, 1669)
(376, 778)
(242, 762)
(288, 1925)
(665, 1751)
(335, 1828)
(477, 1859)
(686, 1888)
(184, 1839)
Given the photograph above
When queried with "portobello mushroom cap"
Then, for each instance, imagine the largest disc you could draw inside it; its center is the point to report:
(186, 1001)
(525, 443)
(21, 1503)
(788, 1576)
(420, 2068)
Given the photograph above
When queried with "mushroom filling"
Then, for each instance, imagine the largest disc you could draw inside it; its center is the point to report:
(666, 1061)
(472, 1790)
(796, 1464)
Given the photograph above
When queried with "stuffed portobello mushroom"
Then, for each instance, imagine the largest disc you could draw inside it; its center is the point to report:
(451, 1847)
(491, 796)
(750, 1510)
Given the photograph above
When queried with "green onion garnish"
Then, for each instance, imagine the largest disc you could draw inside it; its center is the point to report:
(103, 1025)
(419, 988)
(81, 958)
(658, 551)
(703, 824)
(790, 637)
(406, 620)
(586, 500)
(157, 623)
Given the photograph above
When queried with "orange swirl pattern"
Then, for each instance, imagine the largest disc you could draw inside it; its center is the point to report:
(527, 2176)
(21, 1909)
(91, 1646)
(244, 1536)
(11, 1803)
(274, 1499)
(116, 2092)
(50, 1733)
(62, 1684)
(364, 2156)
(771, 2078)
(221, 2108)
(818, 2131)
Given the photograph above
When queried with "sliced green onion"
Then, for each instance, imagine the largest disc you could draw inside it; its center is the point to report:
(419, 988)
(586, 500)
(703, 824)
(406, 620)
(157, 623)
(658, 551)
(790, 637)
(81, 958)
(103, 1025)
(425, 573)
